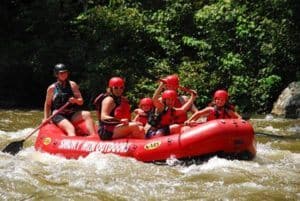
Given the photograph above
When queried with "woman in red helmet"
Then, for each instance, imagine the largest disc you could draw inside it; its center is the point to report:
(219, 109)
(162, 121)
(172, 82)
(142, 113)
(61, 92)
(114, 114)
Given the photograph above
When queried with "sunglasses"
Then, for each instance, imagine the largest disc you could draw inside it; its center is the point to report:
(121, 88)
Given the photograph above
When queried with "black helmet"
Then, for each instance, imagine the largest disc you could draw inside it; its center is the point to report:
(60, 68)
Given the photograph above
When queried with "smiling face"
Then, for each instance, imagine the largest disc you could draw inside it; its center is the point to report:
(220, 102)
(62, 75)
(169, 97)
(117, 91)
(146, 108)
(170, 102)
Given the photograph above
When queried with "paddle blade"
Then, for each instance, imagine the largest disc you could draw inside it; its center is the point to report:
(14, 147)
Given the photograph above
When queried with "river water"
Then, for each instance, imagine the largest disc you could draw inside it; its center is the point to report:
(274, 174)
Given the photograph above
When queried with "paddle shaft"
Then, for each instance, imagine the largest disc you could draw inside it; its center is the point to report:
(48, 119)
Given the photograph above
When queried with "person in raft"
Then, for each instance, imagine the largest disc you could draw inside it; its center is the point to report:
(162, 121)
(143, 111)
(61, 92)
(220, 108)
(114, 114)
(171, 82)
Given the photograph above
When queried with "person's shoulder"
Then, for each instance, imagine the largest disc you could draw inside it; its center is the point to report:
(107, 98)
(208, 108)
(74, 85)
(51, 87)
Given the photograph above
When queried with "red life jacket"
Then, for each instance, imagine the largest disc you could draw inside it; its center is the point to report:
(167, 118)
(181, 118)
(220, 113)
(143, 118)
(121, 110)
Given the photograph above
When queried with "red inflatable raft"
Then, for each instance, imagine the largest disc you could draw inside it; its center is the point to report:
(225, 137)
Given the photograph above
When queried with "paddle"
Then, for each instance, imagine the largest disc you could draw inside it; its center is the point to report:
(14, 147)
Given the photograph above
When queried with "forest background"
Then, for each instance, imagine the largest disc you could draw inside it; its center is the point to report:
(250, 48)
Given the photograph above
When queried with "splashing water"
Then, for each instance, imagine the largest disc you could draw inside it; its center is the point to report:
(31, 175)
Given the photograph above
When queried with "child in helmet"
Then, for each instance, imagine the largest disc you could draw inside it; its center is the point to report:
(171, 82)
(142, 113)
(219, 109)
(162, 120)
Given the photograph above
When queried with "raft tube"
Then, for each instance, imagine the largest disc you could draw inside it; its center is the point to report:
(231, 138)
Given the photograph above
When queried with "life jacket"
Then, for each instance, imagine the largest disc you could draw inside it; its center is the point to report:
(61, 95)
(220, 113)
(143, 118)
(120, 111)
(181, 118)
(164, 118)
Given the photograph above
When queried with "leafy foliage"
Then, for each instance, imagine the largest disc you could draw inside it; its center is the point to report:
(250, 48)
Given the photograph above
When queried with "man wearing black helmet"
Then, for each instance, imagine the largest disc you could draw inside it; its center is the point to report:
(61, 92)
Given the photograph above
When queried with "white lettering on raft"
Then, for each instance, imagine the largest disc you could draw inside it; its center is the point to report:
(104, 147)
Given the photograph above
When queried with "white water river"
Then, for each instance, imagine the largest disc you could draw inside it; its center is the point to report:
(30, 175)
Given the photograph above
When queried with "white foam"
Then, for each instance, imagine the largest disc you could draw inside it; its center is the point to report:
(271, 129)
(17, 134)
(269, 117)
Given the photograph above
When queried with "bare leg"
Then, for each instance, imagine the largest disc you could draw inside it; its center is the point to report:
(133, 130)
(67, 126)
(87, 118)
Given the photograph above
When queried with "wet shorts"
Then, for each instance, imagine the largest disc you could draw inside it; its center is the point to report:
(59, 117)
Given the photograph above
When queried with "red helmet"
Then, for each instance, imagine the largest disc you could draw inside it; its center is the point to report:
(222, 94)
(172, 80)
(116, 82)
(146, 101)
(169, 94)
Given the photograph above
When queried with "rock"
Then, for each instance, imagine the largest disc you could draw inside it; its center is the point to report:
(288, 103)
(269, 117)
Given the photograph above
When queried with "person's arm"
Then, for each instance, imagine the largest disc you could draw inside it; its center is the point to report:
(186, 106)
(155, 98)
(48, 102)
(193, 108)
(77, 99)
(201, 113)
(138, 112)
(107, 106)
(136, 117)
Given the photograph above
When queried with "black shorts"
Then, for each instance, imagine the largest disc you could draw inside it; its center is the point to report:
(104, 134)
(59, 117)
